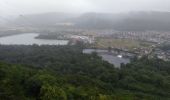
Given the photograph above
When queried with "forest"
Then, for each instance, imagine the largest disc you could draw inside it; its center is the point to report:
(65, 73)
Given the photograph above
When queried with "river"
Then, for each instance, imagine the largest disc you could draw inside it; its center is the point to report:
(29, 39)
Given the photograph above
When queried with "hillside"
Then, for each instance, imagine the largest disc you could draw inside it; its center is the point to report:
(64, 73)
(134, 21)
(42, 19)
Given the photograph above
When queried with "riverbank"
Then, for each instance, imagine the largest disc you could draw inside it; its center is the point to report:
(4, 34)
(29, 39)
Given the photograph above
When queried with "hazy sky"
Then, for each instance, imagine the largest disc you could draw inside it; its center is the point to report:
(10, 7)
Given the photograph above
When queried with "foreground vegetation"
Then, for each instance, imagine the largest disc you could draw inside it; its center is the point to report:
(64, 73)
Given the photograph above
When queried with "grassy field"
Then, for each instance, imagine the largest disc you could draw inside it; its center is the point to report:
(121, 43)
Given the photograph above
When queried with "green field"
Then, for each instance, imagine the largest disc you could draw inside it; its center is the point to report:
(121, 43)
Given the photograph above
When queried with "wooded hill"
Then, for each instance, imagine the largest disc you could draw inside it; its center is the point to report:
(65, 73)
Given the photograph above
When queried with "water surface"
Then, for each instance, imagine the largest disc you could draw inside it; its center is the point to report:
(29, 39)
(113, 59)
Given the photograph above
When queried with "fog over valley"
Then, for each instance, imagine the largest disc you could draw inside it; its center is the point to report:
(84, 49)
(10, 7)
(130, 15)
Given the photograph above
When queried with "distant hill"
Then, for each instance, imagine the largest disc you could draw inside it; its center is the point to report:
(137, 21)
(134, 21)
(141, 21)
(98, 20)
(44, 19)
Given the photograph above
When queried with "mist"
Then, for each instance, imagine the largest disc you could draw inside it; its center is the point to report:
(84, 49)
(18, 7)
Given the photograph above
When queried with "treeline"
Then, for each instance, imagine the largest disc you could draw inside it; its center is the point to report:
(65, 73)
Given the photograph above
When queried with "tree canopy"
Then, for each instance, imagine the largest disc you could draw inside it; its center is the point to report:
(65, 73)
